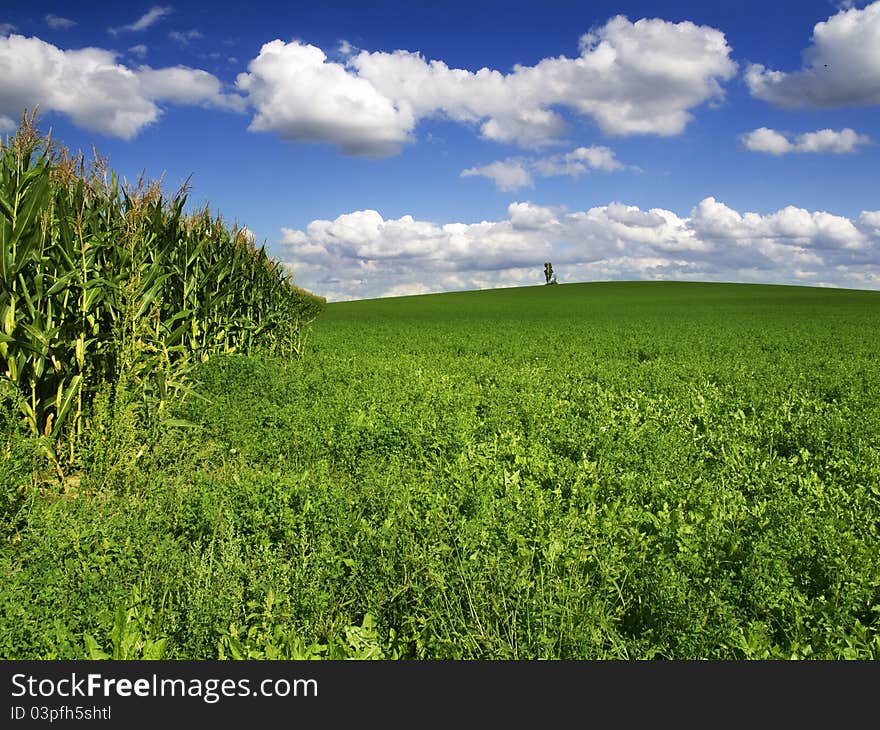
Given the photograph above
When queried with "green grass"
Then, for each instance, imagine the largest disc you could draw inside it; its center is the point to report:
(621, 470)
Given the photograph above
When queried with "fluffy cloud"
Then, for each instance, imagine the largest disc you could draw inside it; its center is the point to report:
(824, 140)
(184, 85)
(578, 162)
(516, 172)
(791, 231)
(841, 65)
(525, 216)
(507, 175)
(301, 95)
(631, 78)
(6, 28)
(96, 91)
(767, 140)
(362, 255)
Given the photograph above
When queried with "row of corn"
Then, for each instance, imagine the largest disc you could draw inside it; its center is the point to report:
(100, 280)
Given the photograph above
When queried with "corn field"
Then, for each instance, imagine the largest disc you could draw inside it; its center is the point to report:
(102, 281)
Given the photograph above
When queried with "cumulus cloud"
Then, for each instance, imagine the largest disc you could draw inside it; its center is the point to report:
(517, 172)
(301, 95)
(151, 17)
(94, 90)
(186, 86)
(793, 231)
(841, 65)
(642, 77)
(767, 140)
(6, 28)
(363, 255)
(56, 22)
(507, 175)
(525, 216)
(828, 140)
(578, 162)
(824, 140)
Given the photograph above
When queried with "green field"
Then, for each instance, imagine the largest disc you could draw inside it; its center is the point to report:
(614, 470)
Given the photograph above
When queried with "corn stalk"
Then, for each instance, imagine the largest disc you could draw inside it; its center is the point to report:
(102, 282)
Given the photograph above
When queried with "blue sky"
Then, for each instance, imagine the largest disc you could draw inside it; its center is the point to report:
(397, 147)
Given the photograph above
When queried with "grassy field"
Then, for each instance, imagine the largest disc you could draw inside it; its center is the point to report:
(620, 470)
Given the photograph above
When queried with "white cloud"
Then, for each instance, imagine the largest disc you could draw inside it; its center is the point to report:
(828, 140)
(507, 174)
(631, 78)
(301, 95)
(362, 255)
(406, 290)
(767, 140)
(823, 140)
(87, 85)
(7, 124)
(525, 216)
(841, 65)
(186, 86)
(96, 91)
(578, 162)
(56, 22)
(139, 50)
(803, 231)
(6, 28)
(517, 172)
(151, 17)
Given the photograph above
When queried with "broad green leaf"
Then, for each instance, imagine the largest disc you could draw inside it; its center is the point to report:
(66, 403)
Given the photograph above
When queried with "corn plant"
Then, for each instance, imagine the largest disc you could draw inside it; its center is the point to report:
(108, 282)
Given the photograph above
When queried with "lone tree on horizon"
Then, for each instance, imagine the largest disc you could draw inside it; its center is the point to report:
(548, 273)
